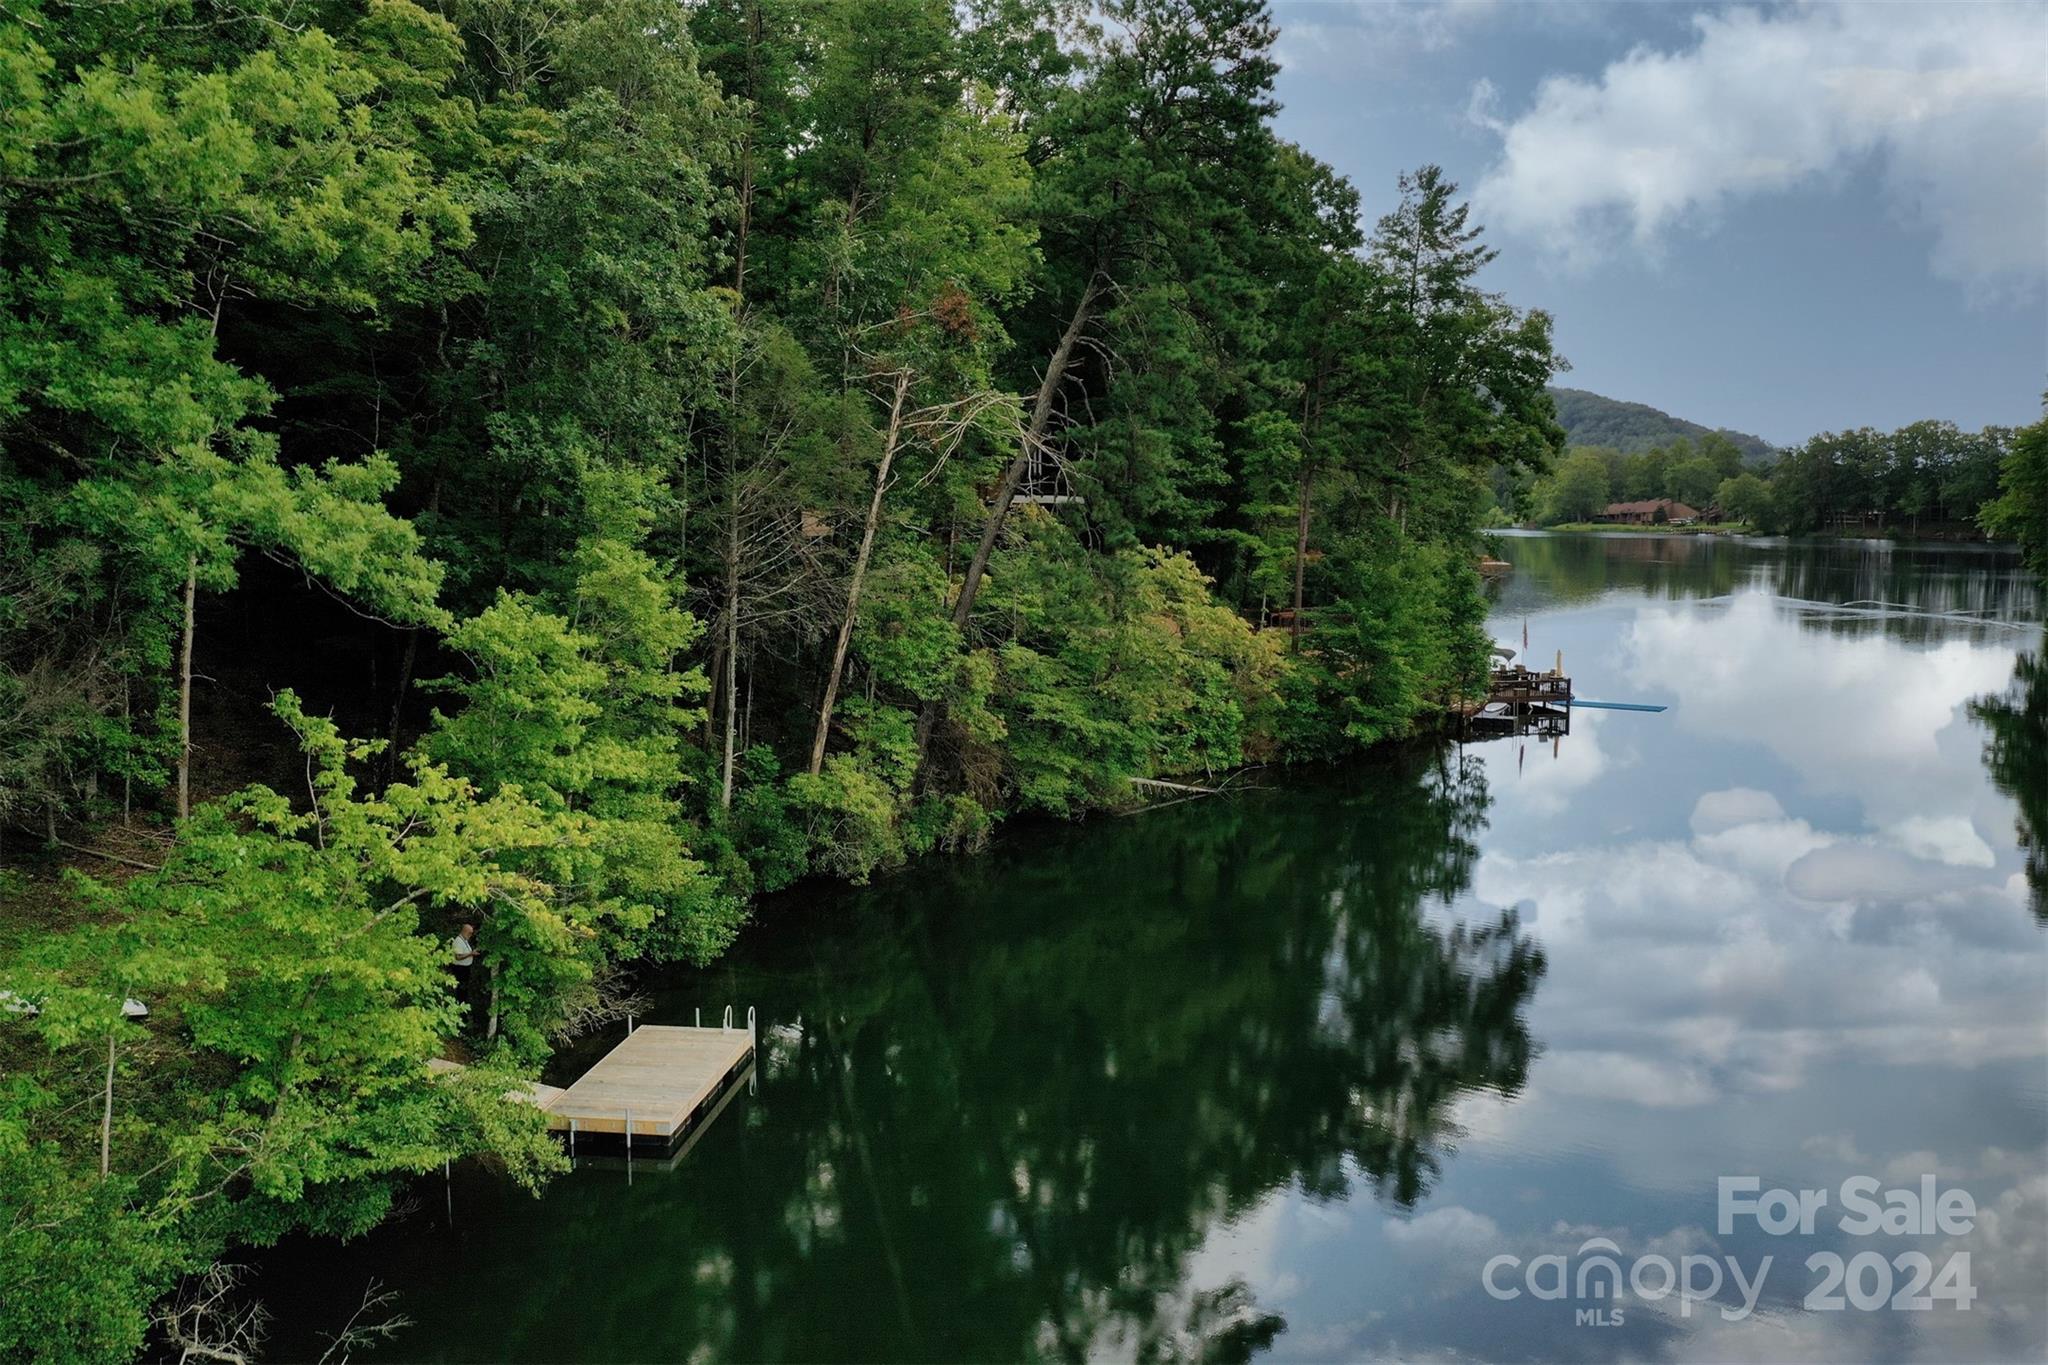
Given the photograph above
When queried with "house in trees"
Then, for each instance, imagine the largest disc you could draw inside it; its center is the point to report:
(1650, 512)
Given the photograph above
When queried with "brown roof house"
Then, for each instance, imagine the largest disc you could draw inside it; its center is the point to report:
(1650, 511)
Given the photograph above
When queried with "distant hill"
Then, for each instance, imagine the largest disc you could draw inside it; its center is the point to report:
(1591, 420)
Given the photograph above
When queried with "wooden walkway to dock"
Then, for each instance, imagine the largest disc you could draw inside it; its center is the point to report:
(655, 1084)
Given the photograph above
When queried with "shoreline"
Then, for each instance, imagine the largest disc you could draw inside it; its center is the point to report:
(1743, 531)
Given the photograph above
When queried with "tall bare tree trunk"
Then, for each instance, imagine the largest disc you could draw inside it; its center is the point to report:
(185, 692)
(185, 645)
(739, 254)
(732, 638)
(1311, 418)
(1013, 477)
(746, 218)
(127, 778)
(860, 571)
(406, 664)
(725, 667)
(717, 677)
(107, 1114)
(851, 216)
(491, 1028)
(1300, 556)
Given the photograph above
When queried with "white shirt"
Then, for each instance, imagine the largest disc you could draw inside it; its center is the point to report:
(460, 951)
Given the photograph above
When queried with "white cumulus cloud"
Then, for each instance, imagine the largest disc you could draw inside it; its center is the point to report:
(1335, 36)
(1949, 101)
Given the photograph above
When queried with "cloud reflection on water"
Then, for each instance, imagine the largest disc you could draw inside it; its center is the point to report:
(1787, 934)
(1743, 939)
(1866, 716)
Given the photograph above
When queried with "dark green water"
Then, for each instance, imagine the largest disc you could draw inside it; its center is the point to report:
(1280, 1073)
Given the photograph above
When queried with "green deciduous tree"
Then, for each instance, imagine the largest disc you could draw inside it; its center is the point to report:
(2020, 511)
(295, 1005)
(1578, 491)
(1693, 482)
(585, 716)
(1747, 498)
(147, 194)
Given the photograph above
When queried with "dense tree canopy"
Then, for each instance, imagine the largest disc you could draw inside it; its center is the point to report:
(1922, 478)
(2021, 509)
(568, 466)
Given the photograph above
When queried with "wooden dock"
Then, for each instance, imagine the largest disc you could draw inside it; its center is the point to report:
(1522, 687)
(656, 1085)
(661, 1084)
(1520, 701)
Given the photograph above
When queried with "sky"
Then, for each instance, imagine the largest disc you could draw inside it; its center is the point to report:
(1782, 219)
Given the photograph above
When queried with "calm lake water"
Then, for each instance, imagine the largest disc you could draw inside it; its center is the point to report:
(1281, 1073)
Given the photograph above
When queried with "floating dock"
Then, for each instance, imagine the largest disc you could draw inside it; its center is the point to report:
(656, 1085)
(661, 1084)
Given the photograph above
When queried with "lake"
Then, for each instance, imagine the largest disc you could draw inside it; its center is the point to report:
(1382, 1062)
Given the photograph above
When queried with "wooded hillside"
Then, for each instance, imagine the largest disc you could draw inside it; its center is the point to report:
(572, 465)
(1632, 428)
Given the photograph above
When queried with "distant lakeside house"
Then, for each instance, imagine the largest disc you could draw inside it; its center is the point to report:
(1649, 512)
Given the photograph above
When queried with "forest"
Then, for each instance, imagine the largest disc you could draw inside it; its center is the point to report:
(1928, 478)
(1591, 419)
(574, 466)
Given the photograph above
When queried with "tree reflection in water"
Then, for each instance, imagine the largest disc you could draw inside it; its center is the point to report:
(1006, 1099)
(1023, 1106)
(2016, 756)
(1956, 580)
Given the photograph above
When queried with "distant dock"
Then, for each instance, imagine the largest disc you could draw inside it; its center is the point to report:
(1521, 687)
(1521, 701)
